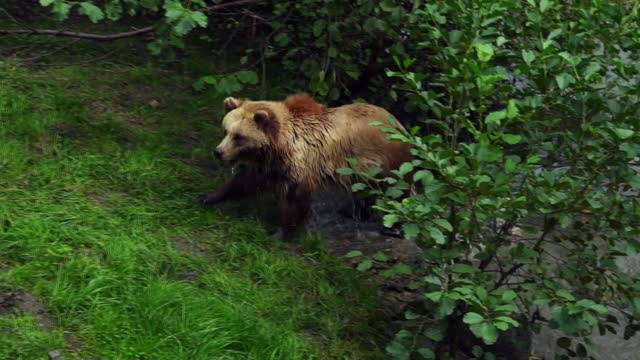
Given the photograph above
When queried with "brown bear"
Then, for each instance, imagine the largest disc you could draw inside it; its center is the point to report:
(296, 146)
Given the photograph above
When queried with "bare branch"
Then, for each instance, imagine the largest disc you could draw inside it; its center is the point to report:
(81, 35)
(108, 37)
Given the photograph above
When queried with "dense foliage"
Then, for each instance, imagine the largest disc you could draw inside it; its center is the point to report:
(527, 194)
(526, 155)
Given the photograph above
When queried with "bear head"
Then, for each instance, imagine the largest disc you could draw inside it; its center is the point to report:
(250, 130)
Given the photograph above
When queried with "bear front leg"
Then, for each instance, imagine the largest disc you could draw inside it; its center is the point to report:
(294, 211)
(240, 186)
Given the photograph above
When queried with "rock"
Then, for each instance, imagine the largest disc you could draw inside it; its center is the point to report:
(55, 355)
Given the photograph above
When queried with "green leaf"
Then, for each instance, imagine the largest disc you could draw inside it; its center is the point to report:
(443, 224)
(426, 353)
(511, 139)
(495, 117)
(333, 52)
(390, 219)
(446, 307)
(61, 10)
(380, 257)
(472, 318)
(318, 27)
(410, 230)
(565, 294)
(398, 351)
(437, 235)
(411, 315)
(591, 70)
(247, 77)
(358, 187)
(432, 279)
(509, 295)
(512, 109)
(463, 269)
(184, 25)
(373, 171)
(486, 331)
(485, 52)
(553, 34)
(564, 80)
(345, 171)
(353, 253)
(93, 12)
(398, 268)
(434, 296)
(477, 352)
(507, 320)
(228, 85)
(433, 333)
(545, 5)
(46, 2)
(365, 265)
(528, 56)
(455, 36)
(282, 39)
(423, 175)
(623, 133)
(405, 168)
(200, 18)
(482, 294)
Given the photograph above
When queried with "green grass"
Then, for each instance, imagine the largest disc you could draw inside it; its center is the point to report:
(99, 220)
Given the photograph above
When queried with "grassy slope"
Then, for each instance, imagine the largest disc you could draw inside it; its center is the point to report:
(98, 219)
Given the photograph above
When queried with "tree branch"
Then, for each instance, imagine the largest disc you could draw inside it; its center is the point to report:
(81, 35)
(108, 37)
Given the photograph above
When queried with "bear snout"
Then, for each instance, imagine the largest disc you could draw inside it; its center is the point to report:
(218, 153)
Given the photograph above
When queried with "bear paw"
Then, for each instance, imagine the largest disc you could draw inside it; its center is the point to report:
(208, 199)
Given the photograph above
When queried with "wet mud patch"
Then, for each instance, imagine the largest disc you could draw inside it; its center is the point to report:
(101, 108)
(12, 302)
(106, 199)
(341, 235)
(196, 246)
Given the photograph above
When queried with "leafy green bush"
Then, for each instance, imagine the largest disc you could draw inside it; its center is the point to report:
(313, 40)
(526, 193)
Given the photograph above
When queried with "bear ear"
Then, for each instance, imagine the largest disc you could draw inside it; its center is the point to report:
(266, 121)
(231, 103)
(262, 117)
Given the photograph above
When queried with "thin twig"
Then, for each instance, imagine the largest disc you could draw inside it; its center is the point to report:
(35, 58)
(514, 268)
(229, 4)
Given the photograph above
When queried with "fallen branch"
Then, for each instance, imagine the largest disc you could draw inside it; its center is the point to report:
(109, 37)
(81, 35)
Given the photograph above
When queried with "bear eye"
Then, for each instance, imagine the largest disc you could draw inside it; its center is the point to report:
(238, 138)
(224, 133)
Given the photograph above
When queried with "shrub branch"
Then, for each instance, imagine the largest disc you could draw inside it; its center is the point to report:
(105, 37)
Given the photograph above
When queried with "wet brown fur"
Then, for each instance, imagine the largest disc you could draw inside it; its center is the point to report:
(301, 144)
